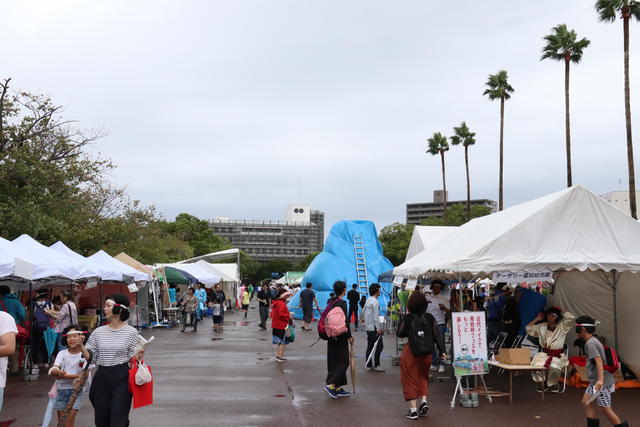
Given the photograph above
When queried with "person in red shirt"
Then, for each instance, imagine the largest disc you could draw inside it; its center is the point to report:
(280, 319)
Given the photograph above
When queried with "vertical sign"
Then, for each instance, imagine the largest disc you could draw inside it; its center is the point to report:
(469, 333)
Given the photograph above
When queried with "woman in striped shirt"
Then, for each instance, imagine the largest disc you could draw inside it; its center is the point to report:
(111, 347)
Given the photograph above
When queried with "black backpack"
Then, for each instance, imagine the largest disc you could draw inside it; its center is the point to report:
(421, 338)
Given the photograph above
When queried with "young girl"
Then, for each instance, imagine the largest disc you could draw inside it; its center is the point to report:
(68, 366)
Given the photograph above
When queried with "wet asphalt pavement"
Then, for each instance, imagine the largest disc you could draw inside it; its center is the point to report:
(233, 380)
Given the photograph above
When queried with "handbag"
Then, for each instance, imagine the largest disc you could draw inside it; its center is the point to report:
(143, 375)
(290, 334)
(142, 394)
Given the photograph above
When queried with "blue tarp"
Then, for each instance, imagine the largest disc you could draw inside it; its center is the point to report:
(337, 262)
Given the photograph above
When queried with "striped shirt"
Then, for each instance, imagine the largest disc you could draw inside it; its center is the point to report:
(110, 348)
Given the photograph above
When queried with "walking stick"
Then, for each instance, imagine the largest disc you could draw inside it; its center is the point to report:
(77, 389)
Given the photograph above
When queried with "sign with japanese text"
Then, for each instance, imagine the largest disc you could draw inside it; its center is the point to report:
(522, 276)
(469, 333)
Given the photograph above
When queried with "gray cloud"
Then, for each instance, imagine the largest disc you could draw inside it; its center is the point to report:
(218, 108)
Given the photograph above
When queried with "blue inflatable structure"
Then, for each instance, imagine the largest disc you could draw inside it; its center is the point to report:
(337, 262)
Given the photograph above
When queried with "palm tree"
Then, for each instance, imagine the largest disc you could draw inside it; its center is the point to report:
(438, 145)
(607, 10)
(498, 87)
(462, 135)
(563, 45)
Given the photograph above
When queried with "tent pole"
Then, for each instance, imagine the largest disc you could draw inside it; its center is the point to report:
(32, 328)
(615, 309)
(100, 302)
(460, 292)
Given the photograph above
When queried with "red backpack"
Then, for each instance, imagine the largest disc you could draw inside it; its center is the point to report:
(612, 364)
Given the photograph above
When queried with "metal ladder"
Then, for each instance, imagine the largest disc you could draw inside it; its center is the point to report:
(361, 264)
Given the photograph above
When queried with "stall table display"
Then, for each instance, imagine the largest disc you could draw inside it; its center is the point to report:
(518, 368)
(173, 315)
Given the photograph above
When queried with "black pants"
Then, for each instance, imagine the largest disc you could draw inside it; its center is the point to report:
(39, 347)
(337, 360)
(372, 337)
(353, 308)
(110, 396)
(264, 315)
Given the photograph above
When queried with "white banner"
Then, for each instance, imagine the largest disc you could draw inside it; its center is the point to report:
(469, 333)
(523, 276)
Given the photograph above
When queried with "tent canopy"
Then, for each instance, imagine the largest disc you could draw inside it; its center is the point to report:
(567, 230)
(89, 267)
(132, 262)
(214, 256)
(426, 237)
(108, 262)
(206, 277)
(226, 272)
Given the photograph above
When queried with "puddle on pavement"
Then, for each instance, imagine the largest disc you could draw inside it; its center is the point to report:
(243, 323)
(216, 339)
(229, 323)
(262, 339)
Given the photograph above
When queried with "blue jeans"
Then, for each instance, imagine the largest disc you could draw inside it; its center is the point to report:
(436, 353)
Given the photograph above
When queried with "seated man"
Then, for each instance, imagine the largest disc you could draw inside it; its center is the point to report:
(552, 335)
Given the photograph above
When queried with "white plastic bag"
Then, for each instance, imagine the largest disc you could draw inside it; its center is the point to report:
(143, 375)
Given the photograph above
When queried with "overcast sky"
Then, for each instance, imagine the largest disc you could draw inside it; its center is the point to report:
(220, 108)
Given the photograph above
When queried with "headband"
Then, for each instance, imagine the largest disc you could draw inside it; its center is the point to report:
(74, 333)
(118, 305)
(595, 322)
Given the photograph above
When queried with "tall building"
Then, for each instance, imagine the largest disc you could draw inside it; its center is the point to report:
(620, 199)
(300, 234)
(416, 212)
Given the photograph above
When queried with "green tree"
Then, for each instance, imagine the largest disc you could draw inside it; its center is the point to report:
(498, 87)
(303, 264)
(457, 215)
(395, 239)
(607, 12)
(563, 45)
(462, 135)
(197, 233)
(438, 145)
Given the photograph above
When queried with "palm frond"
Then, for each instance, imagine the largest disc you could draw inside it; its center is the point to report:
(607, 9)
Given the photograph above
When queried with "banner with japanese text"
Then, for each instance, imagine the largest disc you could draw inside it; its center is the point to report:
(522, 276)
(469, 333)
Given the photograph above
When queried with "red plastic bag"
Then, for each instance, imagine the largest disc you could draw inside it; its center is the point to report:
(142, 394)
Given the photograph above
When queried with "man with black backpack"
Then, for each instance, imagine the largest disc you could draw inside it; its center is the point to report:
(601, 381)
(353, 296)
(422, 333)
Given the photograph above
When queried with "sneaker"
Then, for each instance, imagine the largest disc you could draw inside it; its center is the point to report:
(434, 368)
(423, 409)
(342, 393)
(280, 359)
(412, 415)
(378, 369)
(441, 369)
(331, 392)
(369, 368)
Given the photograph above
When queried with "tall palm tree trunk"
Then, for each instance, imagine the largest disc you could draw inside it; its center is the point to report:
(500, 184)
(627, 114)
(466, 163)
(567, 125)
(444, 187)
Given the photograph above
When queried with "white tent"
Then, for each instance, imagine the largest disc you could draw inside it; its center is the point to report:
(206, 277)
(226, 272)
(7, 263)
(425, 237)
(89, 268)
(214, 256)
(107, 262)
(43, 267)
(594, 246)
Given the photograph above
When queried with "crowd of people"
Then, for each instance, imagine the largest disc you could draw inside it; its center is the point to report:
(102, 358)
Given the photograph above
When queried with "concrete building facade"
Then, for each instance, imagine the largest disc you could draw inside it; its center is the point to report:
(620, 199)
(300, 234)
(416, 212)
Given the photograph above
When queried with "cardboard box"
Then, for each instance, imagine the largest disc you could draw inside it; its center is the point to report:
(583, 372)
(515, 356)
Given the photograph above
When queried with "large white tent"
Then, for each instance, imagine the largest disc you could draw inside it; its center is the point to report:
(425, 237)
(592, 246)
(226, 272)
(43, 267)
(7, 263)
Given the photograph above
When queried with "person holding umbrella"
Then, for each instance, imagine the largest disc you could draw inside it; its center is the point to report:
(374, 329)
(111, 347)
